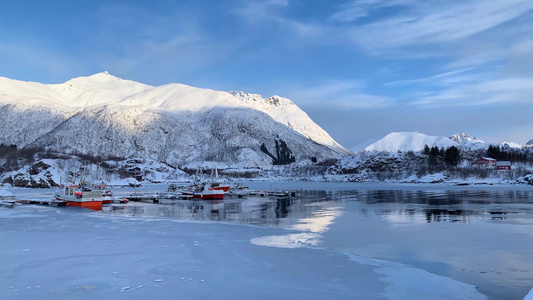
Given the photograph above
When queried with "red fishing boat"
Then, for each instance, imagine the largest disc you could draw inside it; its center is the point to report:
(76, 195)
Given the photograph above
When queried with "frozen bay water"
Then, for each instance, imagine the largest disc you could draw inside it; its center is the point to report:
(336, 241)
(69, 253)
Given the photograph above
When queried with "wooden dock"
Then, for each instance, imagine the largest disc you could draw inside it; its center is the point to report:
(8, 203)
(41, 201)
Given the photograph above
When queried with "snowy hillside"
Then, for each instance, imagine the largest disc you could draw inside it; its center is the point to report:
(102, 115)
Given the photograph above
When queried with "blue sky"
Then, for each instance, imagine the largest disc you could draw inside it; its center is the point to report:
(360, 68)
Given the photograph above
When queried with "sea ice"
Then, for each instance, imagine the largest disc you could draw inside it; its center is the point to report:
(242, 262)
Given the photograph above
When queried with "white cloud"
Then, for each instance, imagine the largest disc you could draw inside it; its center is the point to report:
(271, 12)
(482, 58)
(497, 91)
(258, 10)
(352, 11)
(342, 94)
(409, 29)
(178, 53)
(438, 22)
(442, 79)
(167, 46)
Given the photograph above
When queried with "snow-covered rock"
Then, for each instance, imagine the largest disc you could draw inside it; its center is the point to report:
(41, 174)
(507, 145)
(6, 194)
(467, 141)
(378, 166)
(464, 137)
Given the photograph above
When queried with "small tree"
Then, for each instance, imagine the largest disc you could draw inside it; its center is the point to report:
(435, 151)
(494, 152)
(452, 156)
(426, 150)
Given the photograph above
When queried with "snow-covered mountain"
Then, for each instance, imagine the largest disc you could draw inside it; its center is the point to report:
(102, 115)
(409, 141)
(415, 141)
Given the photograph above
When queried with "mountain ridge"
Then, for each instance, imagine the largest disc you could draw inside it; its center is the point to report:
(415, 141)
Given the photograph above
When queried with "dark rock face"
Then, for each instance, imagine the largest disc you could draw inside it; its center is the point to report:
(38, 168)
(20, 181)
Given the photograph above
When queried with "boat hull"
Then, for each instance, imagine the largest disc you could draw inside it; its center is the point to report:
(224, 188)
(212, 196)
(208, 195)
(94, 205)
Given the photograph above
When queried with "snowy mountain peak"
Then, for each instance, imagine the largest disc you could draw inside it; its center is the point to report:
(103, 74)
(98, 77)
(101, 78)
(98, 89)
(464, 137)
(530, 143)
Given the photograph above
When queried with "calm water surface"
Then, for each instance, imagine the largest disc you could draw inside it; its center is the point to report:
(481, 237)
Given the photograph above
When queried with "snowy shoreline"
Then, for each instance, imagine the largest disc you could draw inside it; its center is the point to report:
(278, 185)
(340, 185)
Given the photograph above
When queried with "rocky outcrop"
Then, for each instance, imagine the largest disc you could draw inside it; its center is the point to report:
(37, 175)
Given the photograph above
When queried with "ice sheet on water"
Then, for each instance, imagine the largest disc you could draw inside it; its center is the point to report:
(295, 240)
(230, 260)
(404, 282)
(12, 214)
(407, 282)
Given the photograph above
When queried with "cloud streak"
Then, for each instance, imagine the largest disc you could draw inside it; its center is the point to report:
(272, 12)
(498, 91)
(352, 11)
(339, 94)
(437, 22)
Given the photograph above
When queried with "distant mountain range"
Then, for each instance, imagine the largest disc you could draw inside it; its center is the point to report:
(102, 115)
(415, 141)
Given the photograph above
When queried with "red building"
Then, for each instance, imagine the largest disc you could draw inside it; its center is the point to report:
(485, 161)
(503, 165)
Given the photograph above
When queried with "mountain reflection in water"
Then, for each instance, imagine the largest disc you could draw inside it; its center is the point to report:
(445, 206)
(409, 206)
(308, 212)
